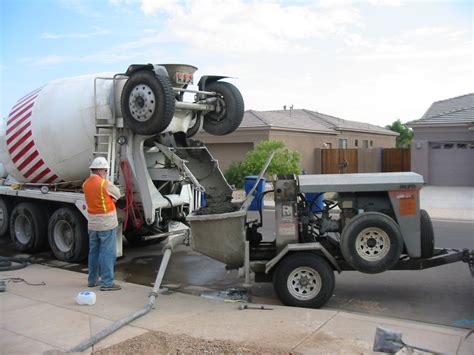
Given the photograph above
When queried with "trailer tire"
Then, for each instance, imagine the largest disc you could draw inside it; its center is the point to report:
(231, 109)
(147, 102)
(304, 279)
(28, 228)
(67, 235)
(5, 209)
(426, 235)
(371, 242)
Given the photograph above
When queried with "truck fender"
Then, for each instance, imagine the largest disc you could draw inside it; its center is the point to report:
(207, 79)
(302, 247)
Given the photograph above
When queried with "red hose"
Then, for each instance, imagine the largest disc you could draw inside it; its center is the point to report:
(131, 209)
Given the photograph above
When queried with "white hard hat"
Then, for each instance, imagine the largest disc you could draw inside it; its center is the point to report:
(99, 163)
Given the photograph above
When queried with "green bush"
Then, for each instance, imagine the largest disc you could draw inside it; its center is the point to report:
(285, 161)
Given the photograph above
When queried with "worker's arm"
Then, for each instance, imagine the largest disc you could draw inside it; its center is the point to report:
(113, 191)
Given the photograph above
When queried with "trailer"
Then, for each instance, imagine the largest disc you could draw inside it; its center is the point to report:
(373, 224)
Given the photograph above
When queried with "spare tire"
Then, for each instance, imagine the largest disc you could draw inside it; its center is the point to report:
(426, 235)
(371, 242)
(147, 102)
(229, 109)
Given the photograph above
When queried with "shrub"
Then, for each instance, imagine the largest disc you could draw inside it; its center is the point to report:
(285, 161)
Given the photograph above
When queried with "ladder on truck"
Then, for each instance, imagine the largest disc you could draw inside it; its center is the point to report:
(105, 136)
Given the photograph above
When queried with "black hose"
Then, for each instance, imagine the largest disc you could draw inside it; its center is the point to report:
(259, 205)
(6, 263)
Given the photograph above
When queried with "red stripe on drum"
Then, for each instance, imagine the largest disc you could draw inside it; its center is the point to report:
(17, 123)
(28, 160)
(41, 175)
(51, 179)
(23, 151)
(28, 104)
(26, 97)
(17, 133)
(35, 167)
(19, 142)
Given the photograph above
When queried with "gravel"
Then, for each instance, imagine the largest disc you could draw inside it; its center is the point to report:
(163, 343)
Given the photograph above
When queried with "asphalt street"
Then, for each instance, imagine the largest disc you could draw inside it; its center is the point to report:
(441, 295)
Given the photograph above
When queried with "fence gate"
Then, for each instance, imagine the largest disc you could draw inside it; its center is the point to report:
(339, 161)
(396, 159)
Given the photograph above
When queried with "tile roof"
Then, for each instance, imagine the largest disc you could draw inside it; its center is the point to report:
(306, 120)
(457, 110)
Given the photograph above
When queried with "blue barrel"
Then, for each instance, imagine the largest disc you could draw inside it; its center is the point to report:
(318, 205)
(203, 199)
(248, 184)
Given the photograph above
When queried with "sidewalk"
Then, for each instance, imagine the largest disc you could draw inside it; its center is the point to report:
(34, 319)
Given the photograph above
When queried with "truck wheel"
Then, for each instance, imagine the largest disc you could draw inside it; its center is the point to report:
(147, 102)
(304, 280)
(427, 235)
(67, 235)
(372, 242)
(5, 209)
(28, 228)
(229, 109)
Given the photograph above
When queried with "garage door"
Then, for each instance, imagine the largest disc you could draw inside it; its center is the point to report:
(452, 164)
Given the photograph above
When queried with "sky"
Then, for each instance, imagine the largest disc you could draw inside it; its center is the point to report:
(371, 61)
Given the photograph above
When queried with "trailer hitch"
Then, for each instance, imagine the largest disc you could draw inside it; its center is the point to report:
(468, 257)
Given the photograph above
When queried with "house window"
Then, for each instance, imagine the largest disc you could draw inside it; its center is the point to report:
(436, 146)
(342, 143)
(371, 143)
(366, 144)
(462, 145)
(356, 143)
(448, 146)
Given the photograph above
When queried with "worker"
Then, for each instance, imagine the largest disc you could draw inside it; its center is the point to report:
(101, 195)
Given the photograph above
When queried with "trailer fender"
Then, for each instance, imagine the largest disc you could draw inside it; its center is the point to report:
(302, 247)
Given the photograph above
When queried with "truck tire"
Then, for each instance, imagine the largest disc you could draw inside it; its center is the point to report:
(426, 235)
(67, 235)
(371, 242)
(304, 280)
(28, 228)
(5, 209)
(230, 109)
(147, 102)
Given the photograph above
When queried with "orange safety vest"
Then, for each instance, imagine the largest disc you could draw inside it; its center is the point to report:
(97, 199)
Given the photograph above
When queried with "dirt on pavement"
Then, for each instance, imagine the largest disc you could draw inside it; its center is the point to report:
(163, 343)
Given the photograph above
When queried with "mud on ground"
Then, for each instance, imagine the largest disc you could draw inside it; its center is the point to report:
(163, 343)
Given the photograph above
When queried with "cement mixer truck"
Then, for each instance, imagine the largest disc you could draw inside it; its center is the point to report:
(140, 121)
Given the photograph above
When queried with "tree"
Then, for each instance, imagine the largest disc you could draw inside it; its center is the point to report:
(285, 161)
(405, 134)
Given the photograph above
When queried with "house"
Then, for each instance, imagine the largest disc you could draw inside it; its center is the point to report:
(443, 142)
(303, 130)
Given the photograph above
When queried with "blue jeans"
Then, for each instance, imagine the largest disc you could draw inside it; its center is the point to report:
(102, 254)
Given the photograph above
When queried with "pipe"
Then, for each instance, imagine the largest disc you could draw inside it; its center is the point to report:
(168, 250)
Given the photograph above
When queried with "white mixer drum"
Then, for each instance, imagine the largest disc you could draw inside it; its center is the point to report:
(49, 134)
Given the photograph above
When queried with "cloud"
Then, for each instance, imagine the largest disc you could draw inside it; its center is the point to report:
(46, 60)
(99, 32)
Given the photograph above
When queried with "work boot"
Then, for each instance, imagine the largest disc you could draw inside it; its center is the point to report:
(113, 287)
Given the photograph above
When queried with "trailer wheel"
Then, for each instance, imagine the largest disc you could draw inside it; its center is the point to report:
(427, 235)
(229, 109)
(67, 235)
(5, 209)
(147, 102)
(28, 228)
(372, 242)
(304, 280)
